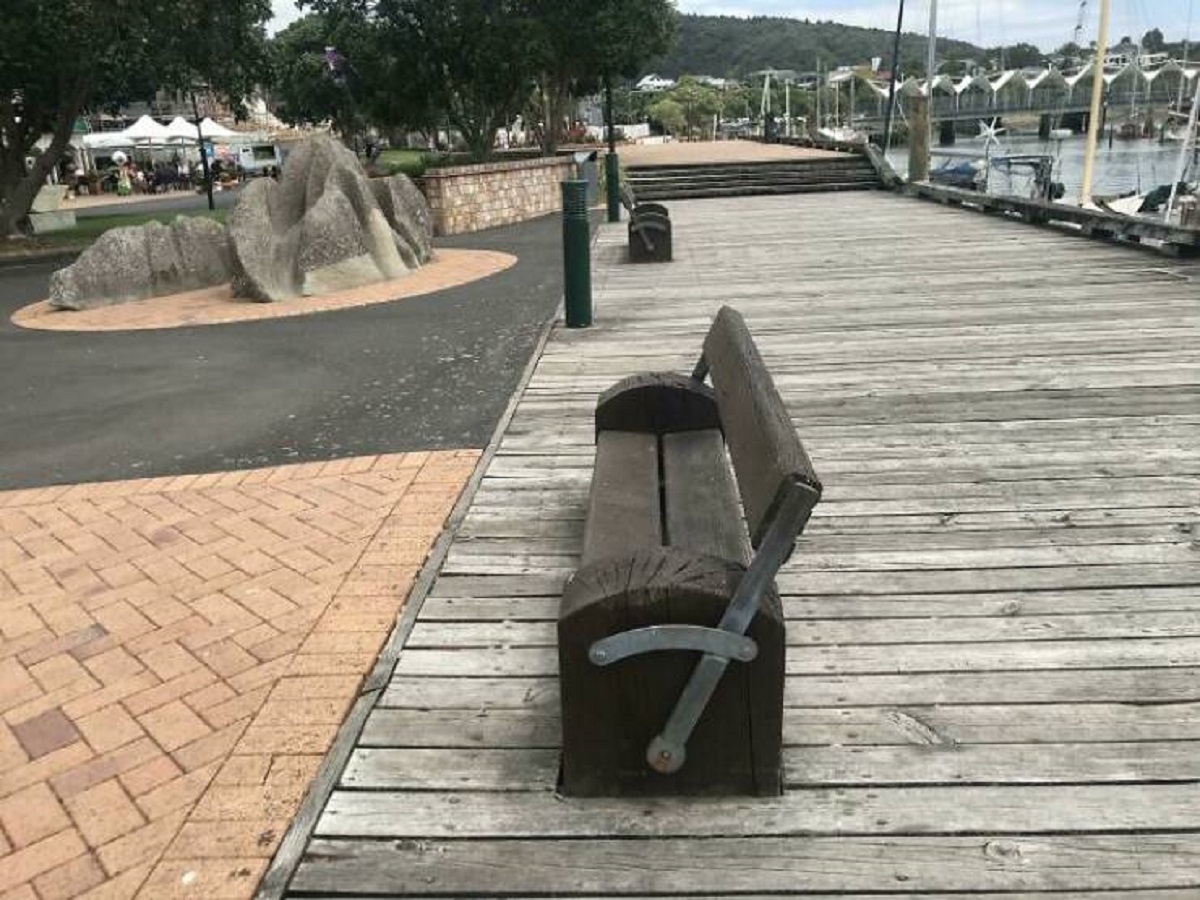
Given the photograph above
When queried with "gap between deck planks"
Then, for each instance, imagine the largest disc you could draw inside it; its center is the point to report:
(994, 618)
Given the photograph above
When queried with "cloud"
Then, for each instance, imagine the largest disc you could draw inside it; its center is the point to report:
(285, 14)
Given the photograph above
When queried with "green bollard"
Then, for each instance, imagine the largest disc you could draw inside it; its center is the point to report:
(612, 181)
(577, 263)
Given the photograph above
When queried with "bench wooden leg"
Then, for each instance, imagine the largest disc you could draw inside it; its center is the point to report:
(611, 713)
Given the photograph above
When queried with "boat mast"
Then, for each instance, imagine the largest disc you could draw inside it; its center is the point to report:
(891, 107)
(787, 105)
(819, 87)
(931, 64)
(1187, 41)
(764, 106)
(1189, 141)
(850, 116)
(1089, 156)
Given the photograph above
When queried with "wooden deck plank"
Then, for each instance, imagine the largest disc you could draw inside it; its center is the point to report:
(1082, 686)
(533, 769)
(536, 725)
(798, 866)
(1049, 603)
(993, 618)
(967, 809)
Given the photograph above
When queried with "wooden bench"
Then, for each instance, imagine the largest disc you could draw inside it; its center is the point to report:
(671, 635)
(649, 228)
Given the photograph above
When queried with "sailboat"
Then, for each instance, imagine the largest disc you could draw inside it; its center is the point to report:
(1160, 203)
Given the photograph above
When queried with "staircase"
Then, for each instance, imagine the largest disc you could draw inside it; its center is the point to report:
(850, 172)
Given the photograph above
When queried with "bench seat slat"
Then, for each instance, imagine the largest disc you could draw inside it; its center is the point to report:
(623, 510)
(702, 508)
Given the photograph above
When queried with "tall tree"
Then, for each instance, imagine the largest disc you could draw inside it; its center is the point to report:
(698, 101)
(1153, 41)
(473, 59)
(61, 58)
(329, 68)
(582, 43)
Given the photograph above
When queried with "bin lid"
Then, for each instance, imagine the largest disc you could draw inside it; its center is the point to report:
(582, 156)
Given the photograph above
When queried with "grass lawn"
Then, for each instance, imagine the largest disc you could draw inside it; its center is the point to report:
(87, 230)
(402, 157)
(411, 162)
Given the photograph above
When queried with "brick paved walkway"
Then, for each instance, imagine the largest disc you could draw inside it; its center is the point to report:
(176, 655)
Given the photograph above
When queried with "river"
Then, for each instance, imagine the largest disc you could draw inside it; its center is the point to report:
(1127, 166)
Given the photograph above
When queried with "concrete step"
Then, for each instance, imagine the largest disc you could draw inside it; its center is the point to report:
(790, 177)
(637, 178)
(733, 190)
(667, 182)
(753, 166)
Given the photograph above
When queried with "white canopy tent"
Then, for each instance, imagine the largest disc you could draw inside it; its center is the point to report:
(105, 140)
(211, 129)
(146, 129)
(180, 129)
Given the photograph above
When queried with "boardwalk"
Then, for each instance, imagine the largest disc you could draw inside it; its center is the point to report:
(994, 661)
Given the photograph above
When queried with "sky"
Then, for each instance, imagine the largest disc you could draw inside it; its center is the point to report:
(1046, 23)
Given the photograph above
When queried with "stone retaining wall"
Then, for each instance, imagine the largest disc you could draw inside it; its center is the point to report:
(469, 198)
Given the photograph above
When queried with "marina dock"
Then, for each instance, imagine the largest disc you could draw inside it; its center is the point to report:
(993, 675)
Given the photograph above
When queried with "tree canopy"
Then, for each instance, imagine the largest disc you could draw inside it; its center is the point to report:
(476, 64)
(61, 58)
(314, 85)
(581, 44)
(728, 46)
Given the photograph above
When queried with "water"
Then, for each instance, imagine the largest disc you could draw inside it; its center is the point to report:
(1139, 165)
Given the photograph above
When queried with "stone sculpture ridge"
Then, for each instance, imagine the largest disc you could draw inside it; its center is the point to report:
(144, 261)
(325, 226)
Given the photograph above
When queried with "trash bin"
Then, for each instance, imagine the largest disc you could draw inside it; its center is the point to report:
(588, 170)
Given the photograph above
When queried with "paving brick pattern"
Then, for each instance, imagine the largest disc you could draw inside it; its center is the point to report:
(217, 305)
(176, 655)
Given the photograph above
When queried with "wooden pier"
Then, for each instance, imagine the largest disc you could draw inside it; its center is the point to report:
(994, 616)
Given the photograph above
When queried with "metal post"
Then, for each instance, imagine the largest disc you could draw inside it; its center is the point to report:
(1094, 124)
(891, 107)
(612, 167)
(577, 264)
(787, 107)
(203, 155)
(918, 140)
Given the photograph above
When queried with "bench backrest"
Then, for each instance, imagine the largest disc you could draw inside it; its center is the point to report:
(767, 455)
(628, 200)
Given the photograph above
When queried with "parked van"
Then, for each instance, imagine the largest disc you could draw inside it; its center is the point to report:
(257, 159)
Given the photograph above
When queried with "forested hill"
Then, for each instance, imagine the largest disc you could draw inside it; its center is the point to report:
(726, 46)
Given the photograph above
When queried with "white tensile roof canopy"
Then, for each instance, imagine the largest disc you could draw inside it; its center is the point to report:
(146, 129)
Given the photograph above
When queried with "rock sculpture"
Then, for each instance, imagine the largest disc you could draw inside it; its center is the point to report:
(325, 227)
(144, 261)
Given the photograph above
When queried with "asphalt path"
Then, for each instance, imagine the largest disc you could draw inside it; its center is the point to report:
(429, 372)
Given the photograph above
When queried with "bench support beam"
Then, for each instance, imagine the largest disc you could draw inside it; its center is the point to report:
(667, 752)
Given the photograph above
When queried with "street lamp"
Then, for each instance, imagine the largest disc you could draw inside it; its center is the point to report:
(208, 186)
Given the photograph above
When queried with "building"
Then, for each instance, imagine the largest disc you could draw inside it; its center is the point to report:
(719, 83)
(652, 83)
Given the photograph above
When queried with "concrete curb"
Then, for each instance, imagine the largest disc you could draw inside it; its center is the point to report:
(53, 254)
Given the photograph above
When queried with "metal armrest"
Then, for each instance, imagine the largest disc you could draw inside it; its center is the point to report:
(715, 641)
